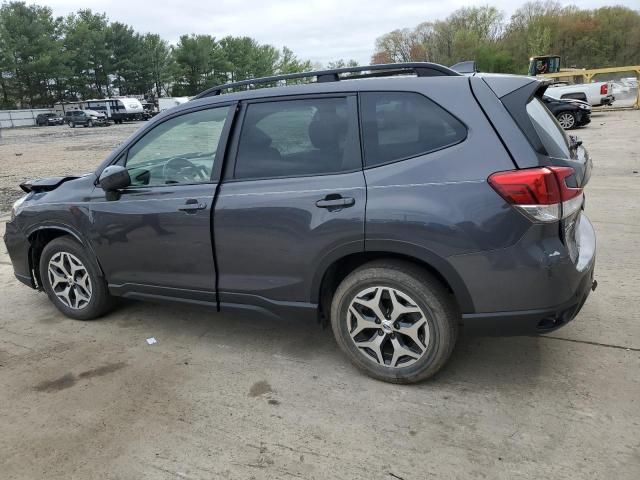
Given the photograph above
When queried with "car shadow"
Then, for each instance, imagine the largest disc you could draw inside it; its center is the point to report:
(477, 360)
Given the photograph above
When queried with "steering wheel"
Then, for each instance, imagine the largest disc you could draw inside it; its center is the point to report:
(181, 170)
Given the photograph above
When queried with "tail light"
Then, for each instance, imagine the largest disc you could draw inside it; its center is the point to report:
(604, 89)
(541, 194)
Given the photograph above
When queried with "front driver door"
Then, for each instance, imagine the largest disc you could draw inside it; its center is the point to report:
(155, 239)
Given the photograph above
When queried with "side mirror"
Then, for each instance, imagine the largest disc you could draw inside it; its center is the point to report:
(114, 177)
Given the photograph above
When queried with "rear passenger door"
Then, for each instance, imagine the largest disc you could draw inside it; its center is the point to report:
(293, 197)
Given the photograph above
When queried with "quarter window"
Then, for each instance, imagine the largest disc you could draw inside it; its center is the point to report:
(550, 132)
(179, 150)
(398, 125)
(298, 137)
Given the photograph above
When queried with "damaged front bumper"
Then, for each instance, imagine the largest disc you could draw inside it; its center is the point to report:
(19, 248)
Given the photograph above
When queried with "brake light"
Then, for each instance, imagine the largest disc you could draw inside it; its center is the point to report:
(541, 194)
(604, 89)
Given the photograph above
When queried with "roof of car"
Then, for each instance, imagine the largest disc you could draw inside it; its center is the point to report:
(399, 83)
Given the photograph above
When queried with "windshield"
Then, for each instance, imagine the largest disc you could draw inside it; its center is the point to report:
(551, 134)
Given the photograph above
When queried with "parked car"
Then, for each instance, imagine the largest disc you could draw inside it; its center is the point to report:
(44, 119)
(569, 113)
(596, 93)
(86, 118)
(392, 208)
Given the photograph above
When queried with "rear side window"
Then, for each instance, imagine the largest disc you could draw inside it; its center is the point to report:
(298, 137)
(551, 134)
(398, 125)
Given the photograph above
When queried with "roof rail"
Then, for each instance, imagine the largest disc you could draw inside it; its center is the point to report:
(421, 69)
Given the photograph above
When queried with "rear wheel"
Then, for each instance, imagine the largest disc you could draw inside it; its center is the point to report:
(71, 124)
(72, 280)
(567, 120)
(394, 321)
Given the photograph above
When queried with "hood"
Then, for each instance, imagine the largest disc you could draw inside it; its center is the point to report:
(47, 184)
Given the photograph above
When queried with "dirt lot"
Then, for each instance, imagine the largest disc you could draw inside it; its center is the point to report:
(223, 396)
(28, 153)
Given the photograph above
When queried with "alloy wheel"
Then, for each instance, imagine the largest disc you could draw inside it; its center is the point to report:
(566, 120)
(69, 280)
(388, 327)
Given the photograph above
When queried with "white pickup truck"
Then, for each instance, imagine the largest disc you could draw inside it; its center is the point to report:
(596, 93)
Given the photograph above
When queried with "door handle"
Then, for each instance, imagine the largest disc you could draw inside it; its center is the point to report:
(192, 206)
(335, 202)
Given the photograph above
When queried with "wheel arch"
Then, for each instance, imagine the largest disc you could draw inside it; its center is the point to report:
(336, 267)
(42, 235)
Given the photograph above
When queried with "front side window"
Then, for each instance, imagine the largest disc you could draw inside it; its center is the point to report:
(179, 150)
(551, 134)
(398, 125)
(298, 137)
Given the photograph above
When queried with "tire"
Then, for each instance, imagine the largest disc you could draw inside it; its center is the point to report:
(428, 303)
(89, 123)
(567, 120)
(71, 124)
(84, 300)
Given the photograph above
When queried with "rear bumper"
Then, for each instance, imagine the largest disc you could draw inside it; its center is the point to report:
(608, 100)
(527, 322)
(533, 286)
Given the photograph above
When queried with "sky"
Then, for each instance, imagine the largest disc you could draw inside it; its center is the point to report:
(317, 30)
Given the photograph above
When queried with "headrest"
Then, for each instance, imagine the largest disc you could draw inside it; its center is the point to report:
(326, 130)
(256, 138)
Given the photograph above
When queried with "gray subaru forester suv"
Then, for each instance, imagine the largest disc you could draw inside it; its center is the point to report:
(394, 202)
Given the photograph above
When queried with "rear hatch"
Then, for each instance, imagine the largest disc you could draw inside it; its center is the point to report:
(548, 184)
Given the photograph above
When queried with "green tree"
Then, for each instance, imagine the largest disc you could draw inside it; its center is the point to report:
(289, 63)
(199, 63)
(461, 36)
(158, 53)
(342, 63)
(28, 54)
(129, 66)
(245, 58)
(89, 54)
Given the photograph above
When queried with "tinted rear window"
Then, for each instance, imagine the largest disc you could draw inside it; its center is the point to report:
(298, 137)
(399, 125)
(551, 134)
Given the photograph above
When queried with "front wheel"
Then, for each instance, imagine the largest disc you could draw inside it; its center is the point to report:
(394, 321)
(567, 120)
(72, 280)
(72, 125)
(90, 123)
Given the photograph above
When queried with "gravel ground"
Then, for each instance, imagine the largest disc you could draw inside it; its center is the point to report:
(228, 396)
(28, 153)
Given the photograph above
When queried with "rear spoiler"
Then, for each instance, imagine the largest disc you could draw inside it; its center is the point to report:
(44, 184)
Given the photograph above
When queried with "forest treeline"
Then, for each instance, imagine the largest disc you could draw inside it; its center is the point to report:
(603, 37)
(46, 59)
